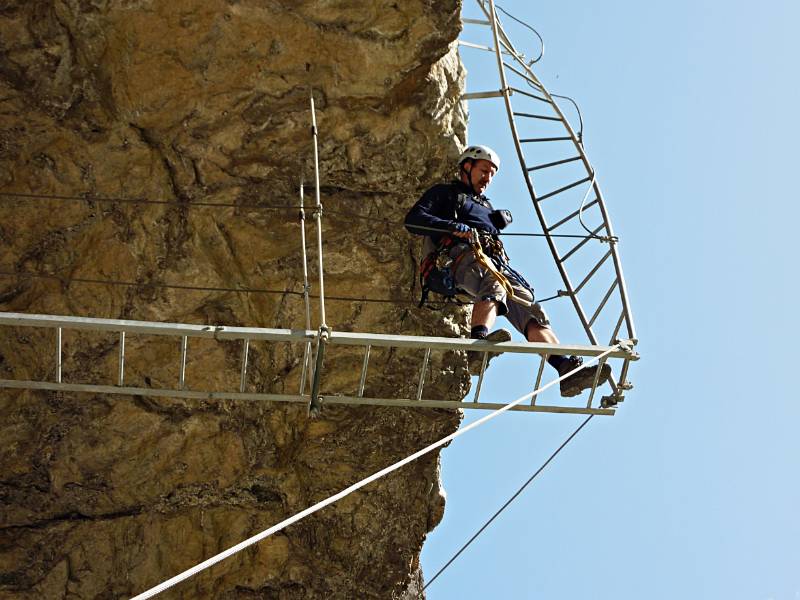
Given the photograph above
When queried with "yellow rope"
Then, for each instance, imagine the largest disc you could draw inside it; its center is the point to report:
(487, 263)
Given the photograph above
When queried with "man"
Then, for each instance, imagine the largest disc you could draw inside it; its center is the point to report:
(449, 215)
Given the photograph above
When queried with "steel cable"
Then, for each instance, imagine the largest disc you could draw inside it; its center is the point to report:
(509, 501)
(311, 208)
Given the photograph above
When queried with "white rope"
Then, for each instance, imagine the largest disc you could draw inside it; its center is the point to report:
(319, 505)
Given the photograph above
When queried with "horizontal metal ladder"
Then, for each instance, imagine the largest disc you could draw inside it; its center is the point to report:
(366, 341)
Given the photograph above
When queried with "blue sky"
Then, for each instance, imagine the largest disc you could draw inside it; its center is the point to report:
(692, 490)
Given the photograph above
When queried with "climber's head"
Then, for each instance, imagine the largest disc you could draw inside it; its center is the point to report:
(476, 167)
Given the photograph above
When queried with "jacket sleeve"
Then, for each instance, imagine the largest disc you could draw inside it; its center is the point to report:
(431, 210)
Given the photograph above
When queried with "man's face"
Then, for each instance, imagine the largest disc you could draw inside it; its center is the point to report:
(480, 173)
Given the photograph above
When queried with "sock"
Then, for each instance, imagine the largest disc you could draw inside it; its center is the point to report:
(556, 361)
(479, 332)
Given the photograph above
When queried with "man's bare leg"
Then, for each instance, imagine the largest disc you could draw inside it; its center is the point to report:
(537, 333)
(484, 313)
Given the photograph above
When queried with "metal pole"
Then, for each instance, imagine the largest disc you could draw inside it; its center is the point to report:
(324, 331)
(243, 378)
(121, 376)
(422, 373)
(318, 215)
(539, 377)
(594, 383)
(480, 377)
(363, 380)
(182, 376)
(58, 355)
(306, 288)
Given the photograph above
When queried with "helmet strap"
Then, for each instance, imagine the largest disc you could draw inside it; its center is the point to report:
(468, 174)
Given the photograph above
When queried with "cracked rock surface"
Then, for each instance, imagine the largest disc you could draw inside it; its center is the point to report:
(152, 154)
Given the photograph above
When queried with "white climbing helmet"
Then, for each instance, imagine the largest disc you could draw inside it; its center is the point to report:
(480, 152)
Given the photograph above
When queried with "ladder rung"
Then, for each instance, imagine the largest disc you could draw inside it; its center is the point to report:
(592, 272)
(363, 379)
(546, 139)
(476, 46)
(525, 76)
(475, 21)
(580, 244)
(554, 163)
(422, 373)
(571, 216)
(534, 96)
(533, 116)
(603, 303)
(563, 189)
(479, 95)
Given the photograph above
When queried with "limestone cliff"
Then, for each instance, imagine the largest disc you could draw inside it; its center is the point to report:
(178, 105)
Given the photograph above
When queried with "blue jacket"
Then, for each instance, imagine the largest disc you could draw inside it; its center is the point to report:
(446, 204)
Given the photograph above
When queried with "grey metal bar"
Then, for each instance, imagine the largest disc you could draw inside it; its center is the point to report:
(539, 377)
(243, 376)
(623, 376)
(603, 303)
(190, 394)
(571, 216)
(346, 338)
(481, 95)
(363, 379)
(58, 355)
(546, 139)
(318, 215)
(306, 288)
(563, 189)
(525, 76)
(422, 373)
(155, 328)
(596, 379)
(534, 96)
(580, 244)
(592, 272)
(484, 362)
(121, 373)
(555, 163)
(542, 117)
(182, 376)
(476, 21)
(480, 406)
(619, 325)
(314, 404)
(475, 46)
(342, 338)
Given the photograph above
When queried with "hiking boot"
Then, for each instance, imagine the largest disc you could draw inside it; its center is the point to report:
(475, 357)
(583, 379)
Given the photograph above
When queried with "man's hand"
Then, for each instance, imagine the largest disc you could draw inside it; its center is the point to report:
(460, 230)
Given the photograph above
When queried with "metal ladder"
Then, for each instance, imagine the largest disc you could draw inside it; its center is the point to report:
(561, 163)
(366, 343)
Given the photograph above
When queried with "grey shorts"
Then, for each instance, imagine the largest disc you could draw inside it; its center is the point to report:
(478, 283)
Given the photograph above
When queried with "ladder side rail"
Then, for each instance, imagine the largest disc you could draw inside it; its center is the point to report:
(343, 338)
(348, 400)
(218, 332)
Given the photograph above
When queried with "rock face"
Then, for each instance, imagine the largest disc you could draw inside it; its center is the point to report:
(199, 111)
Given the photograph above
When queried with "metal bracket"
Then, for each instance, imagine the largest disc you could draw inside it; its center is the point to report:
(315, 404)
